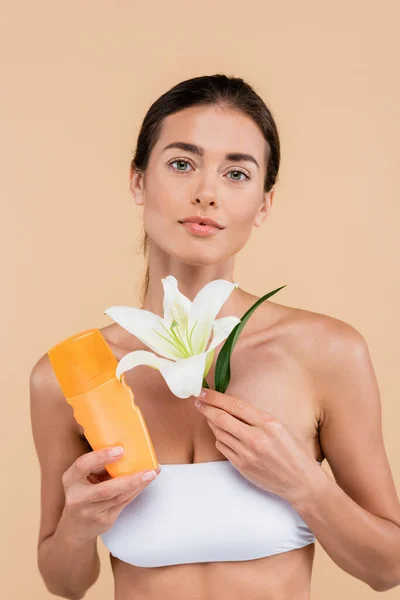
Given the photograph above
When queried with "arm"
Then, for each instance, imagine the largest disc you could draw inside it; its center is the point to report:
(65, 562)
(67, 567)
(357, 518)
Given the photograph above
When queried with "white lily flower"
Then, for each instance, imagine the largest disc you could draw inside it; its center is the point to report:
(181, 337)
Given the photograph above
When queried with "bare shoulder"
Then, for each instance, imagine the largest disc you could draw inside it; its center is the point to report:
(324, 344)
(320, 342)
(320, 336)
(42, 379)
(328, 343)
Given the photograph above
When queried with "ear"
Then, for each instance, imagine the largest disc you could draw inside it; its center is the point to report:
(136, 184)
(265, 208)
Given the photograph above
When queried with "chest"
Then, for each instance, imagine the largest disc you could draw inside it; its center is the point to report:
(265, 372)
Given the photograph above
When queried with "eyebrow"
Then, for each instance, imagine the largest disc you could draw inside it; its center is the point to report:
(194, 149)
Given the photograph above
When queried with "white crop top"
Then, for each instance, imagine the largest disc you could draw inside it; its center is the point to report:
(204, 512)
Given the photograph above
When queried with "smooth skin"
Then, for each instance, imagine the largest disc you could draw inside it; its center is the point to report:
(287, 361)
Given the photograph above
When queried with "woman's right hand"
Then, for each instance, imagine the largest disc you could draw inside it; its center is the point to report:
(94, 499)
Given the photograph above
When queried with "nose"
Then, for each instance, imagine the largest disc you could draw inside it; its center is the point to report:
(206, 199)
(205, 191)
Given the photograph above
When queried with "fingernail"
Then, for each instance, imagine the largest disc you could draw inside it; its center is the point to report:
(116, 450)
(149, 475)
(202, 394)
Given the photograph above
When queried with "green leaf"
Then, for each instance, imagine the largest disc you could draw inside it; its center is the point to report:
(222, 374)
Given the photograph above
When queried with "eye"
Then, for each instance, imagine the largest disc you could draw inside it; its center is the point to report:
(182, 161)
(178, 160)
(239, 171)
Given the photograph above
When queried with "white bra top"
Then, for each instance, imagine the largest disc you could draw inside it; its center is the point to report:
(204, 512)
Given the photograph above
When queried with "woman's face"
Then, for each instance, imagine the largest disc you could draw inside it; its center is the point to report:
(179, 183)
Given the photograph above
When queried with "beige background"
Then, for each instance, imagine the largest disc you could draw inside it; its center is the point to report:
(77, 79)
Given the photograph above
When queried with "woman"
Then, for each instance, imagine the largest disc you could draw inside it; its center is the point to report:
(209, 148)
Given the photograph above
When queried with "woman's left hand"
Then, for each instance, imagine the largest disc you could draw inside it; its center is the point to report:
(261, 447)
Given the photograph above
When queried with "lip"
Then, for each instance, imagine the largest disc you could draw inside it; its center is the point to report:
(199, 219)
(200, 230)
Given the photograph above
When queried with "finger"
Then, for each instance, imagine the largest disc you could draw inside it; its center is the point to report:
(98, 477)
(100, 474)
(94, 461)
(242, 410)
(99, 470)
(114, 509)
(103, 475)
(227, 422)
(109, 490)
(228, 452)
(229, 440)
(123, 499)
(119, 501)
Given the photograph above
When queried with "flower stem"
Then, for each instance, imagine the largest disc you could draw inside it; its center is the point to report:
(205, 384)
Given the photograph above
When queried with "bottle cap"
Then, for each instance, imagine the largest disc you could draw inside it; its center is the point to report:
(82, 362)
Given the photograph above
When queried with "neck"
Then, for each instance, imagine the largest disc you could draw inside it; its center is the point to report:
(191, 279)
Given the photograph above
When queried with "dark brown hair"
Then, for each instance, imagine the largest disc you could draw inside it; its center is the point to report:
(209, 90)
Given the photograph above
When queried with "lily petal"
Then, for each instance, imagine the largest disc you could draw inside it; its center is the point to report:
(185, 376)
(204, 310)
(147, 327)
(222, 328)
(209, 361)
(176, 304)
(137, 358)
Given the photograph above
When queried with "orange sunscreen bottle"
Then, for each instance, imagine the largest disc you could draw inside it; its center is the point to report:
(85, 369)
